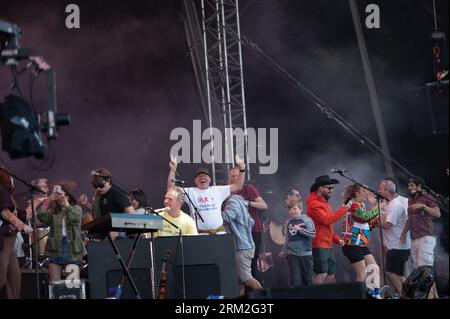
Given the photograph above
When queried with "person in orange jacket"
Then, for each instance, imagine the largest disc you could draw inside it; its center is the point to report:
(321, 213)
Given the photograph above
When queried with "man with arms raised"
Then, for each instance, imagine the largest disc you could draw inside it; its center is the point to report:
(207, 199)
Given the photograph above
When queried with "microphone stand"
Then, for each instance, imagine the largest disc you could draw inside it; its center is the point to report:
(196, 212)
(180, 236)
(32, 190)
(378, 197)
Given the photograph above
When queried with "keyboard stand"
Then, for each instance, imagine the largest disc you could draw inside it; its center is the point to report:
(125, 271)
(152, 266)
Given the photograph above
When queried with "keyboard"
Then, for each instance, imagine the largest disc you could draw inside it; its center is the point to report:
(124, 222)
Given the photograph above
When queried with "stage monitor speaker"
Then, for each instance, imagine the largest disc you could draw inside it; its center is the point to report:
(28, 287)
(429, 109)
(105, 271)
(209, 267)
(354, 290)
(209, 261)
(201, 281)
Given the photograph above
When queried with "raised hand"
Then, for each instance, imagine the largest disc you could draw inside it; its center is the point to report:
(239, 162)
(61, 199)
(83, 200)
(173, 163)
(371, 198)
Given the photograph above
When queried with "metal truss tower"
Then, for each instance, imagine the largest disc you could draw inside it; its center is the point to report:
(214, 39)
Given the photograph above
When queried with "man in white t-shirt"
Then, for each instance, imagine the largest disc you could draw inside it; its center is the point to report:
(207, 199)
(393, 218)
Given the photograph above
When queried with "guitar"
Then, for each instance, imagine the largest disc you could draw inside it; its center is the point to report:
(163, 279)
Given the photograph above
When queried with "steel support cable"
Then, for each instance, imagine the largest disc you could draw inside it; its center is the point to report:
(331, 114)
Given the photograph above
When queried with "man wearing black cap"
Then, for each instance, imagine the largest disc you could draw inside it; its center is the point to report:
(108, 198)
(422, 210)
(321, 213)
(207, 199)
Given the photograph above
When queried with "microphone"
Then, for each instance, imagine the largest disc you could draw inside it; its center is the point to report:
(160, 210)
(178, 181)
(338, 171)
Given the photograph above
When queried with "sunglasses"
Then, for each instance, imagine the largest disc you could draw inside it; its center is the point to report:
(328, 187)
(98, 186)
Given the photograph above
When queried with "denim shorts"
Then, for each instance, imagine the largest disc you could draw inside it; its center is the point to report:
(63, 259)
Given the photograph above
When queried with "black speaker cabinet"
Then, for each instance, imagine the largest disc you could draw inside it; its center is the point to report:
(28, 284)
(353, 290)
(429, 109)
(196, 277)
(209, 267)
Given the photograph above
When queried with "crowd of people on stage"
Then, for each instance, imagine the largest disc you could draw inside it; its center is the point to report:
(235, 208)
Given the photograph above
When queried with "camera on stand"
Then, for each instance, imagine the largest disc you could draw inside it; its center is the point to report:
(22, 128)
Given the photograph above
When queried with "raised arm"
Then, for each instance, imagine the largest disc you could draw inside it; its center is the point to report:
(172, 172)
(322, 216)
(240, 182)
(361, 215)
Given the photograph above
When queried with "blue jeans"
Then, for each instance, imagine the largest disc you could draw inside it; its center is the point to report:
(63, 259)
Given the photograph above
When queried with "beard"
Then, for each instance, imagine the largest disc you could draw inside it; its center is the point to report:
(326, 196)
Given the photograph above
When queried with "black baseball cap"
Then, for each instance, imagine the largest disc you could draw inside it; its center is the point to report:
(201, 170)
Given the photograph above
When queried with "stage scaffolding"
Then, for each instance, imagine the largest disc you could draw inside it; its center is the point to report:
(213, 34)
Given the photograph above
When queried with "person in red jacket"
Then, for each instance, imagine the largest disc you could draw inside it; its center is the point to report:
(321, 213)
